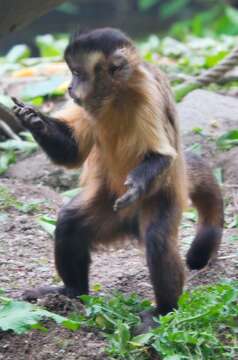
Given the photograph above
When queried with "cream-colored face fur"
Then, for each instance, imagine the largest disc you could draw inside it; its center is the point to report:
(92, 59)
(96, 76)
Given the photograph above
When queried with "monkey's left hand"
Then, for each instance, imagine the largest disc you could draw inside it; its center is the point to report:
(134, 192)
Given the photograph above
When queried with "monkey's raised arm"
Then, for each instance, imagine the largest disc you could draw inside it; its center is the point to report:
(66, 138)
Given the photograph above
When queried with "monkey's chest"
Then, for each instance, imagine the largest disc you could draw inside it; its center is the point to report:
(116, 164)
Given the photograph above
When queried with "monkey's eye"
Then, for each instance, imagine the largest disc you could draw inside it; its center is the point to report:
(76, 73)
(113, 68)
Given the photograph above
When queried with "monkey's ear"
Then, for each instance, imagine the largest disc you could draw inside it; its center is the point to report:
(119, 58)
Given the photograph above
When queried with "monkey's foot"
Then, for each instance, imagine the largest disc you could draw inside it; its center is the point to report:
(147, 322)
(38, 293)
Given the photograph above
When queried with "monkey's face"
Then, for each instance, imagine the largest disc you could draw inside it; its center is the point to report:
(100, 63)
(97, 75)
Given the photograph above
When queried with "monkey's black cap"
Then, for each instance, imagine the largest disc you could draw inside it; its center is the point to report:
(106, 40)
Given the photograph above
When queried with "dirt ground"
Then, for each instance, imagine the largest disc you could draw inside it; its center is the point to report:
(26, 254)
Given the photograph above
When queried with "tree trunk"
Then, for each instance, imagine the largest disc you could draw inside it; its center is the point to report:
(13, 15)
(16, 13)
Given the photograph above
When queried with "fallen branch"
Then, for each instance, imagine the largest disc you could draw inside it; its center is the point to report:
(8, 131)
(10, 119)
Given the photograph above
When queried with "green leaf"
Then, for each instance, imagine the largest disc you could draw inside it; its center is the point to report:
(228, 140)
(68, 8)
(41, 88)
(123, 336)
(142, 339)
(19, 145)
(170, 8)
(71, 193)
(28, 207)
(47, 223)
(7, 158)
(233, 223)
(182, 90)
(20, 317)
(197, 130)
(146, 4)
(233, 238)
(96, 287)
(232, 14)
(17, 53)
(49, 46)
(6, 100)
(214, 59)
(196, 148)
(37, 101)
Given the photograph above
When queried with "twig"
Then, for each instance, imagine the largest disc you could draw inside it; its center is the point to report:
(10, 119)
(198, 272)
(227, 257)
(230, 185)
(8, 131)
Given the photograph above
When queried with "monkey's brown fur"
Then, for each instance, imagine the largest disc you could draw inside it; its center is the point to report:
(118, 146)
(128, 115)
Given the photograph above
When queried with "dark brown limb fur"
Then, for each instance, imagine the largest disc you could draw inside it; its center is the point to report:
(159, 232)
(80, 227)
(53, 136)
(207, 198)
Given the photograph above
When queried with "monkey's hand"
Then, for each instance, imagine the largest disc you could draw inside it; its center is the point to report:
(134, 192)
(31, 118)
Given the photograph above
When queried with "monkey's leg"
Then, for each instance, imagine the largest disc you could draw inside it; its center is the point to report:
(78, 228)
(73, 237)
(160, 221)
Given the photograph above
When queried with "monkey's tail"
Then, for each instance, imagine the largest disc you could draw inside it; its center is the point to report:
(207, 198)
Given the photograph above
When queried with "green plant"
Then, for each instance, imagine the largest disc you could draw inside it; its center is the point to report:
(47, 223)
(10, 148)
(228, 140)
(7, 200)
(204, 326)
(20, 317)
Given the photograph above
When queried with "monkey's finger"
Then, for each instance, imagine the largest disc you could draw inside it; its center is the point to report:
(17, 102)
(129, 182)
(127, 199)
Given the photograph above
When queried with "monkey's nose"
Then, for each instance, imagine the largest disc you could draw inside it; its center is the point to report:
(70, 91)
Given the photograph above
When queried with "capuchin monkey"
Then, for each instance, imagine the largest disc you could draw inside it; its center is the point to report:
(122, 126)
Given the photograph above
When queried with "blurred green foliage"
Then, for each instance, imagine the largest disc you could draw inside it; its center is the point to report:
(220, 19)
